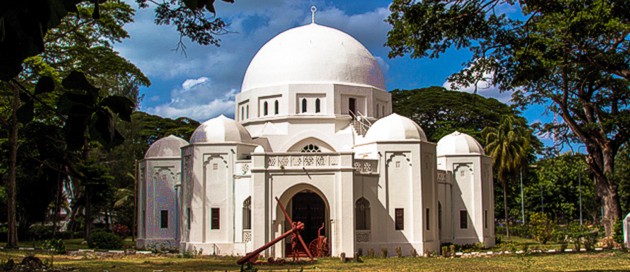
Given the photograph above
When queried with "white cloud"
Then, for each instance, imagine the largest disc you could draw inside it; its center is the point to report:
(189, 83)
(200, 113)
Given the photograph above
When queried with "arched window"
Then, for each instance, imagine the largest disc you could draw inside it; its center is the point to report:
(265, 108)
(362, 213)
(247, 213)
(311, 148)
(303, 105)
(276, 107)
(317, 105)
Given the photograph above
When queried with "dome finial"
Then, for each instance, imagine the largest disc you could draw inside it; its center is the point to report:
(313, 10)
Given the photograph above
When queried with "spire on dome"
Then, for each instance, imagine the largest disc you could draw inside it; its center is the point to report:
(313, 10)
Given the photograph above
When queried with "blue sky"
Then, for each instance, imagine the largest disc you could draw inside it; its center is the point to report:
(202, 84)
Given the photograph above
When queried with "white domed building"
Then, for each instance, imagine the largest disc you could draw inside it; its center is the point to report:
(314, 128)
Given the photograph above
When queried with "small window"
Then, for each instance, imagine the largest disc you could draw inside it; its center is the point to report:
(311, 148)
(383, 110)
(242, 113)
(247, 112)
(276, 107)
(362, 210)
(247, 213)
(303, 105)
(188, 218)
(164, 219)
(215, 218)
(428, 215)
(378, 110)
(265, 108)
(398, 164)
(317, 105)
(463, 219)
(400, 219)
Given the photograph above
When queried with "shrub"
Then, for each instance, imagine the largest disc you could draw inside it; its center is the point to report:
(413, 253)
(541, 227)
(384, 252)
(39, 232)
(398, 252)
(121, 230)
(618, 231)
(370, 253)
(104, 240)
(55, 246)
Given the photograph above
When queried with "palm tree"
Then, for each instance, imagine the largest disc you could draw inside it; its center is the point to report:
(508, 145)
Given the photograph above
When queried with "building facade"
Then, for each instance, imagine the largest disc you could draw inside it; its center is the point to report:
(314, 128)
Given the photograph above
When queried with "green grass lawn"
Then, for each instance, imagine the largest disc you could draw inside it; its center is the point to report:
(601, 261)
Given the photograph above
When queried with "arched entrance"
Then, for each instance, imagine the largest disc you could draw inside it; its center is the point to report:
(309, 208)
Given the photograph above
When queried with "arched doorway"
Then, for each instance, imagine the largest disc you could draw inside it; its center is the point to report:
(309, 208)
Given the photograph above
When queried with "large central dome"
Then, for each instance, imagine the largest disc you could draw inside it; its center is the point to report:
(313, 54)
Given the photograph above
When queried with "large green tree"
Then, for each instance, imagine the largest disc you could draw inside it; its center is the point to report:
(558, 185)
(509, 146)
(440, 112)
(571, 55)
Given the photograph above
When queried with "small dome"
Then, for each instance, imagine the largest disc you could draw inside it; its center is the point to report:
(313, 54)
(395, 128)
(458, 143)
(259, 149)
(166, 147)
(220, 130)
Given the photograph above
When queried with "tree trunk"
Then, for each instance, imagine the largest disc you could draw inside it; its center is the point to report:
(601, 161)
(505, 210)
(12, 239)
(87, 190)
(607, 191)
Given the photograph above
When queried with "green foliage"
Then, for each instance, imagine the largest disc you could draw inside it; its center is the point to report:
(509, 145)
(104, 240)
(25, 24)
(571, 56)
(370, 253)
(622, 173)
(618, 233)
(541, 228)
(398, 252)
(56, 246)
(384, 252)
(440, 112)
(560, 181)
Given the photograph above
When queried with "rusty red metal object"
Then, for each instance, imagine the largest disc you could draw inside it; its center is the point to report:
(252, 257)
(320, 245)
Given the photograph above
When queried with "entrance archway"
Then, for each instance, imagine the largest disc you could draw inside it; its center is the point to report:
(310, 208)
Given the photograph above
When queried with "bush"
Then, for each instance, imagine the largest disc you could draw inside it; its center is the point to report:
(384, 252)
(541, 227)
(370, 253)
(55, 246)
(121, 230)
(39, 232)
(618, 231)
(104, 240)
